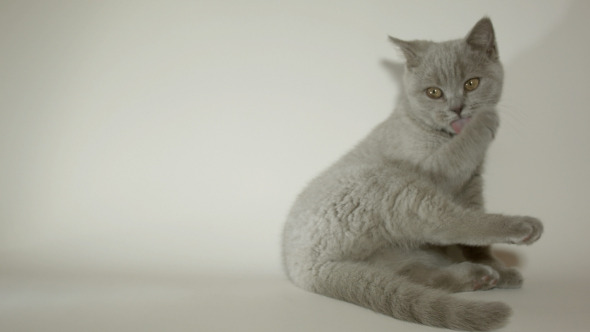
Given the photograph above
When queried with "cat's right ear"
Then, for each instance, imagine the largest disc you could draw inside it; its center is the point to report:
(483, 38)
(410, 49)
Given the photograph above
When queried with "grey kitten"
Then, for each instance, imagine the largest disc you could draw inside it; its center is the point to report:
(398, 223)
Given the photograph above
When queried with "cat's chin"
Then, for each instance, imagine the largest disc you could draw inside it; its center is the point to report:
(459, 124)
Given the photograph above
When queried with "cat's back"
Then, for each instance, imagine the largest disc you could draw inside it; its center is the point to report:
(378, 163)
(346, 197)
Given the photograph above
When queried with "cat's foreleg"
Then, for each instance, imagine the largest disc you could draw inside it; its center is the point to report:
(481, 229)
(470, 196)
(458, 159)
(421, 215)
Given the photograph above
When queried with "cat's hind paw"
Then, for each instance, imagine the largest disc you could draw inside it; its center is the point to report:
(485, 278)
(473, 276)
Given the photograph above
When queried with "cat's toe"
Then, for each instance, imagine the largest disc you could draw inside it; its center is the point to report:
(486, 278)
(528, 230)
(537, 230)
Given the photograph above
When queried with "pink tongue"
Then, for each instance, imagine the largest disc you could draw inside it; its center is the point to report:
(459, 124)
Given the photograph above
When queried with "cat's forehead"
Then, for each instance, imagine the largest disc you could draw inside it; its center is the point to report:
(449, 63)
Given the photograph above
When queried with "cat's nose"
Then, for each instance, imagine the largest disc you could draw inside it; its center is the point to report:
(457, 109)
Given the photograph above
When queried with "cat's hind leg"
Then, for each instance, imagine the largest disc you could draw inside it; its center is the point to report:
(377, 287)
(456, 277)
(509, 277)
(433, 268)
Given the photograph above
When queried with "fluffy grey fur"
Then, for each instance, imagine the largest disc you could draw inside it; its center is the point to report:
(398, 223)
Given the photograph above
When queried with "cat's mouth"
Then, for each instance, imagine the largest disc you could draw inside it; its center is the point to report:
(459, 124)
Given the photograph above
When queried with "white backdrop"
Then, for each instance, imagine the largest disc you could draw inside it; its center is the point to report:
(176, 134)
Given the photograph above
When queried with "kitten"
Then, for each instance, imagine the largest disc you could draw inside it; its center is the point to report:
(398, 223)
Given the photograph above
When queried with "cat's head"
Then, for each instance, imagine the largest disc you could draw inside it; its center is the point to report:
(449, 81)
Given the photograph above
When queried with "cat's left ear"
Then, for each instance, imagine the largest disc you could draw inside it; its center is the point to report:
(483, 38)
(412, 50)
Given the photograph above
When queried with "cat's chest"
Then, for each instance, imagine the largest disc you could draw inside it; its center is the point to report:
(419, 153)
(418, 150)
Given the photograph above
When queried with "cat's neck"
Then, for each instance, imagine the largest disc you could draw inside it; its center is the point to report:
(401, 137)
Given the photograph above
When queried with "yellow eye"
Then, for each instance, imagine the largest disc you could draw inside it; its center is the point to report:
(434, 93)
(471, 84)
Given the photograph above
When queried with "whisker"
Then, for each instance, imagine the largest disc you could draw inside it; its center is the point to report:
(513, 119)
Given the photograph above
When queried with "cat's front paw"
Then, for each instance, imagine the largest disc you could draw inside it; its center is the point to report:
(525, 230)
(486, 120)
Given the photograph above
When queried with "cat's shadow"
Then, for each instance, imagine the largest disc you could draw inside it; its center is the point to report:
(508, 257)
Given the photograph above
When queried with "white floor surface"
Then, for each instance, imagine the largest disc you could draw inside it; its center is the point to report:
(70, 299)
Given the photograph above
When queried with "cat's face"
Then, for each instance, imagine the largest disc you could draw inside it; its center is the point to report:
(447, 83)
